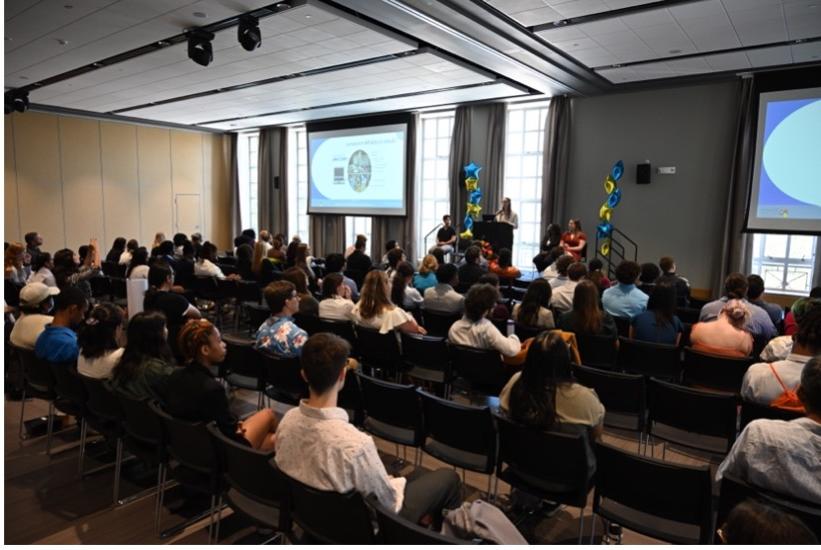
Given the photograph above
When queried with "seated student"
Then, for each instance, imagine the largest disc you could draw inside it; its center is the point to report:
(99, 338)
(336, 303)
(35, 303)
(727, 334)
(781, 456)
(375, 310)
(544, 392)
(659, 324)
(206, 265)
(443, 298)
(471, 271)
(765, 382)
(625, 299)
(552, 271)
(147, 360)
(160, 297)
(426, 278)
(790, 326)
(475, 330)
(534, 310)
(586, 317)
(390, 245)
(501, 311)
(755, 288)
(58, 341)
(561, 265)
(503, 265)
(758, 323)
(648, 275)
(316, 445)
(138, 266)
(279, 334)
(401, 291)
(358, 261)
(394, 256)
(753, 522)
(117, 250)
(669, 276)
(781, 346)
(562, 299)
(446, 236)
(41, 270)
(440, 257)
(196, 241)
(308, 305)
(15, 269)
(70, 271)
(192, 393)
(184, 265)
(595, 274)
(290, 251)
(130, 247)
(303, 260)
(361, 239)
(335, 263)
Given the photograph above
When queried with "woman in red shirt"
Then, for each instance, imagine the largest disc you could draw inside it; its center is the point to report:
(574, 240)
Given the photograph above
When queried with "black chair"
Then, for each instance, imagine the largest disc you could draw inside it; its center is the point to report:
(597, 351)
(351, 399)
(118, 289)
(257, 314)
(11, 293)
(328, 517)
(624, 397)
(392, 411)
(100, 286)
(38, 382)
(623, 326)
(648, 495)
(715, 371)
(438, 323)
(255, 488)
(242, 367)
(525, 331)
(379, 351)
(208, 288)
(460, 435)
(657, 360)
(753, 411)
(688, 314)
(734, 491)
(343, 329)
(396, 530)
(282, 378)
(308, 323)
(114, 269)
(71, 399)
(481, 368)
(107, 413)
(553, 465)
(427, 358)
(699, 419)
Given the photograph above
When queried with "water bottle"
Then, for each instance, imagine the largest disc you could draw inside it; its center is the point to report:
(511, 329)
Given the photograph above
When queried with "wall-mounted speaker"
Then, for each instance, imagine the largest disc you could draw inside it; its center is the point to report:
(643, 173)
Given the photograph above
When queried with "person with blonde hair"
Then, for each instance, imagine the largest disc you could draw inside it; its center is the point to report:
(426, 277)
(14, 268)
(375, 310)
(726, 335)
(260, 253)
(159, 238)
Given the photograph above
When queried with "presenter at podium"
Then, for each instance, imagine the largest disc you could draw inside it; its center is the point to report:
(507, 215)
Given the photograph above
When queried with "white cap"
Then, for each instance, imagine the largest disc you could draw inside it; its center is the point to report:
(34, 293)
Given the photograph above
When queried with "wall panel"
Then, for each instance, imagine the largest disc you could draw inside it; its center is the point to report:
(11, 227)
(82, 181)
(156, 197)
(120, 178)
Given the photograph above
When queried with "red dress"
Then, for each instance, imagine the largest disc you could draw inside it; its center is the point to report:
(570, 240)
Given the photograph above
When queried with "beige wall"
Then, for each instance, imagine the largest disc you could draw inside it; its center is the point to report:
(73, 178)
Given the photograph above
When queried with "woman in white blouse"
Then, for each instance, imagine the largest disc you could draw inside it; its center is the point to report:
(400, 289)
(42, 273)
(206, 264)
(507, 215)
(336, 303)
(375, 310)
(99, 339)
(138, 266)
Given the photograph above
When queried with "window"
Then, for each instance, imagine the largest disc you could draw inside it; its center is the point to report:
(433, 191)
(354, 225)
(785, 262)
(524, 145)
(247, 155)
(297, 183)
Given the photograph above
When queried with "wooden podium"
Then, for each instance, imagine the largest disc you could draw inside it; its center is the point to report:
(498, 234)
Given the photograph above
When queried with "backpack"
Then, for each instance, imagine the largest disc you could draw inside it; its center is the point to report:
(788, 400)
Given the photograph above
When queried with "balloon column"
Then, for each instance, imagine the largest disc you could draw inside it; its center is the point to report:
(474, 196)
(611, 187)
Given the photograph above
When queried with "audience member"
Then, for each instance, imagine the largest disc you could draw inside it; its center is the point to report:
(276, 254)
(196, 241)
(402, 293)
(192, 392)
(279, 334)
(426, 278)
(335, 263)
(303, 259)
(375, 310)
(475, 330)
(147, 360)
(117, 250)
(308, 305)
(160, 297)
(290, 252)
(440, 256)
(501, 311)
(138, 265)
(317, 446)
(727, 334)
(753, 522)
(33, 243)
(552, 270)
(184, 266)
(206, 265)
(358, 261)
(503, 265)
(159, 237)
(15, 268)
(470, 272)
(648, 275)
(574, 241)
(130, 247)
(336, 303)
(99, 338)
(179, 240)
(659, 324)
(668, 275)
(595, 274)
(735, 288)
(625, 300)
(35, 304)
(245, 257)
(562, 299)
(780, 347)
(260, 253)
(781, 456)
(443, 298)
(534, 310)
(755, 288)
(552, 238)
(587, 318)
(58, 341)
(41, 270)
(361, 240)
(561, 265)
(790, 322)
(394, 256)
(446, 236)
(390, 245)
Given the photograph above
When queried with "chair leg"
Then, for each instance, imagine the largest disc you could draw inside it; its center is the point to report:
(489, 485)
(211, 519)
(157, 498)
(219, 514)
(581, 524)
(22, 409)
(49, 426)
(592, 527)
(83, 433)
(664, 451)
(118, 466)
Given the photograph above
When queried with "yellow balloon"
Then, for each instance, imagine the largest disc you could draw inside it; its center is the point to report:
(474, 209)
(605, 247)
(471, 184)
(605, 212)
(467, 234)
(609, 184)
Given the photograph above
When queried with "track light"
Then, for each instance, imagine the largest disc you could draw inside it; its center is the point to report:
(15, 101)
(200, 50)
(248, 32)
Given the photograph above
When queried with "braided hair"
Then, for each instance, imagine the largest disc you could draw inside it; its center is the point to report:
(193, 335)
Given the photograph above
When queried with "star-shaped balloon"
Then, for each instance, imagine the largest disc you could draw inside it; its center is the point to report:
(472, 170)
(617, 170)
(468, 223)
(466, 234)
(475, 196)
(471, 184)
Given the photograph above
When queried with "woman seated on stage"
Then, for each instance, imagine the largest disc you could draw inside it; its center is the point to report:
(574, 240)
(375, 310)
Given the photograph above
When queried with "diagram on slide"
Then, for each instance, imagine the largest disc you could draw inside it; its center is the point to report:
(359, 170)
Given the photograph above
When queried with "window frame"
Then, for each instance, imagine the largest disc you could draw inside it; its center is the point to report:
(759, 260)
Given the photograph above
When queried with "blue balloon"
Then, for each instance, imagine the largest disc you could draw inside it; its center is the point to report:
(468, 224)
(472, 170)
(614, 198)
(604, 230)
(617, 170)
(475, 196)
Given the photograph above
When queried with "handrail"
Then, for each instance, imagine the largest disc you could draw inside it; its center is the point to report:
(428, 234)
(617, 251)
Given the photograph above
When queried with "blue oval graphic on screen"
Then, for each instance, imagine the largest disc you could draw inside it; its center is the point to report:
(792, 154)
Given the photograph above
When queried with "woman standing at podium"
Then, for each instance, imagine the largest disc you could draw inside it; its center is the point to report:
(574, 240)
(506, 214)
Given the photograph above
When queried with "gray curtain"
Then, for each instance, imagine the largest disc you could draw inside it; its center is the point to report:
(272, 177)
(233, 174)
(327, 234)
(459, 153)
(491, 178)
(736, 246)
(555, 161)
(400, 229)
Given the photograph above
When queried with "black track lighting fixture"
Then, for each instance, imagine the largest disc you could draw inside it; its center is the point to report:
(200, 50)
(248, 32)
(15, 101)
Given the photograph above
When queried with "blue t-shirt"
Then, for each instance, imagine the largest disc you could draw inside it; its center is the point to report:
(624, 301)
(647, 329)
(422, 282)
(57, 345)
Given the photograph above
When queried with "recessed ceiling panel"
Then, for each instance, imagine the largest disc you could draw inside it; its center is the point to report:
(537, 12)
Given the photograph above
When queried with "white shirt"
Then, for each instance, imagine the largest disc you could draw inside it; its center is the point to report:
(43, 275)
(27, 328)
(125, 258)
(320, 448)
(760, 385)
(443, 299)
(550, 272)
(562, 297)
(777, 349)
(483, 335)
(386, 322)
(139, 272)
(558, 280)
(544, 319)
(512, 220)
(336, 308)
(99, 367)
(207, 268)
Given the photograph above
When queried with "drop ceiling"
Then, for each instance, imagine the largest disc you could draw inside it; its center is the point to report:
(332, 58)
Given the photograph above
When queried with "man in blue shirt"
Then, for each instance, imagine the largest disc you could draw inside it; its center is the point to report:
(735, 288)
(755, 288)
(58, 341)
(279, 334)
(625, 300)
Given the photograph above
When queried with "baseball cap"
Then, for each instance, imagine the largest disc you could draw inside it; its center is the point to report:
(34, 293)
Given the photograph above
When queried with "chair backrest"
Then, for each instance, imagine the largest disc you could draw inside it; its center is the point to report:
(11, 293)
(343, 329)
(330, 517)
(206, 287)
(657, 360)
(284, 374)
(394, 529)
(257, 314)
(114, 269)
(627, 483)
(438, 324)
(188, 442)
(429, 352)
(688, 314)
(715, 371)
(705, 413)
(100, 286)
(753, 411)
(67, 383)
(619, 393)
(524, 331)
(597, 351)
(396, 405)
(118, 288)
(36, 371)
(463, 427)
(351, 398)
(102, 401)
(240, 358)
(378, 350)
(623, 326)
(482, 368)
(141, 422)
(308, 323)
